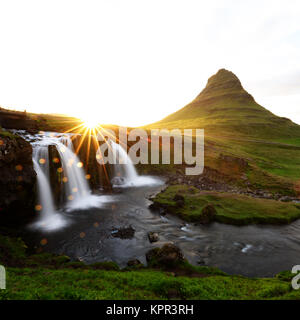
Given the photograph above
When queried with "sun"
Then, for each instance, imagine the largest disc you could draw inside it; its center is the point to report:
(90, 122)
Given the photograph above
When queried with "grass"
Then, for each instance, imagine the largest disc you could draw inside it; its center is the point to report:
(40, 283)
(272, 167)
(230, 208)
(6, 134)
(51, 122)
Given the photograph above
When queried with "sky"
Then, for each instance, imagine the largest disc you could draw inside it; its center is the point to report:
(134, 62)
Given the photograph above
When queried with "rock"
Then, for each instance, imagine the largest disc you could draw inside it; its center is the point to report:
(208, 214)
(201, 261)
(179, 181)
(32, 130)
(17, 180)
(118, 181)
(268, 195)
(99, 174)
(277, 196)
(285, 199)
(179, 199)
(123, 233)
(153, 236)
(133, 263)
(167, 256)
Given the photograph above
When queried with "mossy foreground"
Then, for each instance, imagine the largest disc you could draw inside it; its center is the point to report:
(47, 276)
(230, 208)
(42, 283)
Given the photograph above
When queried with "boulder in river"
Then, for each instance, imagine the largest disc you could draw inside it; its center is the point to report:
(134, 263)
(153, 236)
(123, 233)
(167, 256)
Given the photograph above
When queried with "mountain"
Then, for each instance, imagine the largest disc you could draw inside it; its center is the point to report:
(225, 107)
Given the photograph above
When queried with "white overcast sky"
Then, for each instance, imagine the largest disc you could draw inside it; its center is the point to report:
(134, 62)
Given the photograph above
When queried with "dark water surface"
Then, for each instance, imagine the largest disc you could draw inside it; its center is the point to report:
(248, 250)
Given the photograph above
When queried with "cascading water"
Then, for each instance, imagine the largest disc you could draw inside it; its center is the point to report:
(125, 174)
(49, 218)
(41, 166)
(124, 168)
(77, 189)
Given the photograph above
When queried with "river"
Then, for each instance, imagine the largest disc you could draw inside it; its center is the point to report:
(256, 251)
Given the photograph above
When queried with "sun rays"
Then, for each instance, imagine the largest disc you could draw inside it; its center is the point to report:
(86, 133)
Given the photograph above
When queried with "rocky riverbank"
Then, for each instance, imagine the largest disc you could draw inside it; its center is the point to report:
(17, 179)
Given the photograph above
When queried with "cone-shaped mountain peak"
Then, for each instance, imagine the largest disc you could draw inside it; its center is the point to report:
(224, 107)
(223, 79)
(222, 83)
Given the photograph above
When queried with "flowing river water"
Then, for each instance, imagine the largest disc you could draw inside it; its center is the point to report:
(248, 250)
(88, 231)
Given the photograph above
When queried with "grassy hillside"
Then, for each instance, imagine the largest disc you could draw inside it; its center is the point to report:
(11, 119)
(224, 107)
(236, 127)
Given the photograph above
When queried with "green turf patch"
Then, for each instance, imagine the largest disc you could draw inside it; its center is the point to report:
(230, 208)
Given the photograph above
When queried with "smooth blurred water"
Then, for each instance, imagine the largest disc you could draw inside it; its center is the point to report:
(125, 174)
(76, 187)
(248, 250)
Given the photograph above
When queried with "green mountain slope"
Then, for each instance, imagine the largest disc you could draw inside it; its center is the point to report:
(238, 127)
(225, 107)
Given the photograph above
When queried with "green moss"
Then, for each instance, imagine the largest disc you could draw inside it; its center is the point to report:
(48, 259)
(6, 134)
(76, 265)
(274, 290)
(230, 208)
(12, 250)
(146, 284)
(285, 276)
(107, 265)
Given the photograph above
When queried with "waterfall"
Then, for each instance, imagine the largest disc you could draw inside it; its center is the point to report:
(124, 170)
(49, 218)
(42, 171)
(77, 190)
(76, 186)
(125, 174)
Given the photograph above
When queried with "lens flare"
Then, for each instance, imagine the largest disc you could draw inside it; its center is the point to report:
(90, 122)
